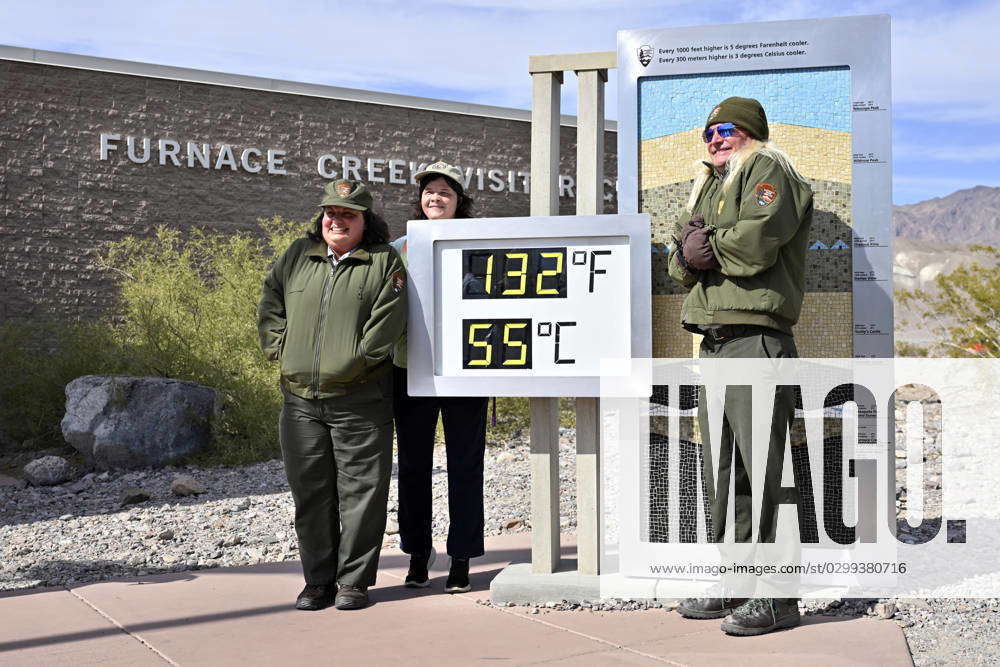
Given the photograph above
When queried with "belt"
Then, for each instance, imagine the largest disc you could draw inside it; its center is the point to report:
(724, 332)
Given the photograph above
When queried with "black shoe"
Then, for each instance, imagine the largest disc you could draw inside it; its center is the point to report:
(458, 577)
(416, 576)
(314, 598)
(351, 597)
(763, 615)
(709, 607)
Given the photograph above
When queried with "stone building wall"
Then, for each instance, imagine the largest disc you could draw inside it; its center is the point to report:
(60, 201)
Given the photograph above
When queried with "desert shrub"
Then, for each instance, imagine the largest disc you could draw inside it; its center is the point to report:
(514, 418)
(39, 358)
(907, 349)
(188, 310)
(964, 310)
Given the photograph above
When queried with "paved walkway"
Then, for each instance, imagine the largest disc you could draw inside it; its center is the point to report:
(244, 616)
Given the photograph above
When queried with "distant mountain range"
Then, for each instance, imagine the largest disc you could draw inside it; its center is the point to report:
(933, 236)
(961, 218)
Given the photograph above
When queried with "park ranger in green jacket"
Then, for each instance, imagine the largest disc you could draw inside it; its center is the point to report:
(740, 251)
(331, 310)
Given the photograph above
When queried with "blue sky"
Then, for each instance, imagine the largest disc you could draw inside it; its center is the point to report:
(946, 63)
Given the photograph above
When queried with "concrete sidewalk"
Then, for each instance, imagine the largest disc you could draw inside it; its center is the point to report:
(245, 616)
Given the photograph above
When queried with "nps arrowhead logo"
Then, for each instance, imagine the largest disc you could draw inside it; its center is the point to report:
(645, 54)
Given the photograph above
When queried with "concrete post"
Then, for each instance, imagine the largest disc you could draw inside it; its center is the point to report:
(589, 201)
(544, 432)
(588, 485)
(590, 142)
(545, 118)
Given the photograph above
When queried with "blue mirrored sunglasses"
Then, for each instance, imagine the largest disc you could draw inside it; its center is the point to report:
(724, 129)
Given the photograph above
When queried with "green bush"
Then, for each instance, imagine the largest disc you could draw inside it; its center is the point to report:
(514, 418)
(964, 310)
(188, 310)
(39, 358)
(906, 349)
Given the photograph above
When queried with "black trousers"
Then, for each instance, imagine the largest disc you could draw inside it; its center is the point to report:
(465, 442)
(338, 458)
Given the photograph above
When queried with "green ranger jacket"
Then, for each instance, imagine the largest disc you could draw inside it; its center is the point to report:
(399, 352)
(759, 229)
(332, 329)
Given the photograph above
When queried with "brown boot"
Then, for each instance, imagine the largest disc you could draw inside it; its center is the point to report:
(314, 598)
(701, 608)
(762, 615)
(351, 597)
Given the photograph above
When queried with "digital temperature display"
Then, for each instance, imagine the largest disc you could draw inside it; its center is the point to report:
(508, 273)
(497, 344)
(504, 308)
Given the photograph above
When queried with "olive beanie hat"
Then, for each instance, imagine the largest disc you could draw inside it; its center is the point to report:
(744, 112)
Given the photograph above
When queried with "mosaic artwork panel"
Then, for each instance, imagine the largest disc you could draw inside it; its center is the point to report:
(810, 97)
(809, 114)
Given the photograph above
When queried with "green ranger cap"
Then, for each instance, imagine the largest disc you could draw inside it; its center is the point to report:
(745, 113)
(347, 193)
(443, 168)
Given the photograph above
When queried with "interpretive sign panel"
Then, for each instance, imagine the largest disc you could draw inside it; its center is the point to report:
(525, 306)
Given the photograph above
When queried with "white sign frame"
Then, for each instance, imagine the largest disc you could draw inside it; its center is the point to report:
(425, 377)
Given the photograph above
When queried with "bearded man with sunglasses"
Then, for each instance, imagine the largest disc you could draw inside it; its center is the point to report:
(741, 254)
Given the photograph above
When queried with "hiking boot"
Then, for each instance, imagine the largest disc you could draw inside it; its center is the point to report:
(351, 597)
(416, 576)
(458, 577)
(701, 608)
(762, 615)
(314, 598)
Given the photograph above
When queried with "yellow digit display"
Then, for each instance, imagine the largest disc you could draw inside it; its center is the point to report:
(521, 273)
(539, 290)
(480, 338)
(485, 361)
(515, 343)
(524, 273)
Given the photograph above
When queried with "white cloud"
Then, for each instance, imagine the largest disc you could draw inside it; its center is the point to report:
(948, 62)
(476, 50)
(549, 6)
(945, 64)
(473, 51)
(969, 151)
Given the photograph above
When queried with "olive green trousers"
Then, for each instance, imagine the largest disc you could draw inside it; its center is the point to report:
(736, 437)
(338, 459)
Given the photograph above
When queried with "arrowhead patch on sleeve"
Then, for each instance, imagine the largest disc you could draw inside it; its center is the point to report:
(398, 281)
(765, 194)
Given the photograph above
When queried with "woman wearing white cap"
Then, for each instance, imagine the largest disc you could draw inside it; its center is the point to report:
(441, 197)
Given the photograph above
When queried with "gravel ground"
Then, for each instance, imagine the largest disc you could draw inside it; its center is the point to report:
(79, 532)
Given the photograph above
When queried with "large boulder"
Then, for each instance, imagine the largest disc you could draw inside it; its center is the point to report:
(117, 421)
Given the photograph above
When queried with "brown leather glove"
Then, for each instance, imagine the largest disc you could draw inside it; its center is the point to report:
(696, 222)
(696, 249)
